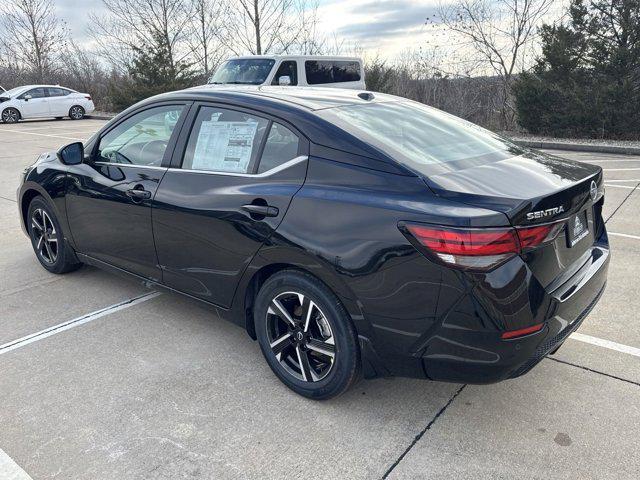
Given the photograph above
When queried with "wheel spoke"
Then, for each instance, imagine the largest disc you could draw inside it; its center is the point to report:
(36, 223)
(322, 348)
(307, 311)
(39, 243)
(49, 252)
(281, 343)
(276, 308)
(305, 368)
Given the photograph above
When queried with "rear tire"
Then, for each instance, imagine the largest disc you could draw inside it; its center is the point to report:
(76, 112)
(312, 345)
(10, 115)
(51, 248)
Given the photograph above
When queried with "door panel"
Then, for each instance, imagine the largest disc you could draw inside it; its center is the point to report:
(211, 216)
(36, 106)
(109, 197)
(109, 224)
(204, 238)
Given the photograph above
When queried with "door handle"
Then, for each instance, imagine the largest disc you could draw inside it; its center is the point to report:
(138, 193)
(261, 210)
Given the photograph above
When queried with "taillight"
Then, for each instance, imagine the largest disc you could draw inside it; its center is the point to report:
(479, 248)
(88, 97)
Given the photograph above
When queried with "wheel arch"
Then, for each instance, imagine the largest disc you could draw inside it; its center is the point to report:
(15, 107)
(29, 191)
(263, 267)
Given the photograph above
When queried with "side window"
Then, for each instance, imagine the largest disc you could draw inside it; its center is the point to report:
(141, 139)
(58, 92)
(281, 146)
(224, 140)
(326, 71)
(34, 92)
(288, 68)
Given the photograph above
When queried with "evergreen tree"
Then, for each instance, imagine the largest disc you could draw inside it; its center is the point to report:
(152, 71)
(587, 79)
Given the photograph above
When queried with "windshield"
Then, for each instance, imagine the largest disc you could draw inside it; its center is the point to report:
(13, 92)
(425, 139)
(253, 71)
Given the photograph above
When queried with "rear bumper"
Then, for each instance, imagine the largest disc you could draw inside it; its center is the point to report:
(483, 357)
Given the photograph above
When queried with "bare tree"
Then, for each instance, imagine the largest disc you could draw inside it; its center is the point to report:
(266, 26)
(500, 32)
(133, 23)
(207, 18)
(32, 36)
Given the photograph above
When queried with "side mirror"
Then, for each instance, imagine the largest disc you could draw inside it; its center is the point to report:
(72, 154)
(26, 98)
(284, 80)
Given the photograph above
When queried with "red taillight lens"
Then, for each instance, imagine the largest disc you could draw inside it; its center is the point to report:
(521, 332)
(466, 242)
(479, 248)
(88, 97)
(533, 236)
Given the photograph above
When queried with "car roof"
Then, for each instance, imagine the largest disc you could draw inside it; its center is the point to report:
(309, 98)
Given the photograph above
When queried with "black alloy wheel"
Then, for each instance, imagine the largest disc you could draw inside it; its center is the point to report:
(306, 335)
(47, 239)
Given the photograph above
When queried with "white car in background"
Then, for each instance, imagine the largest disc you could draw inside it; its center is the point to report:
(43, 101)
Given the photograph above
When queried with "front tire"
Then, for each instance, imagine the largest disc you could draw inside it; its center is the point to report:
(76, 112)
(306, 335)
(51, 248)
(10, 115)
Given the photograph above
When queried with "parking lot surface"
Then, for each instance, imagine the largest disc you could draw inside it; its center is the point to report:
(160, 388)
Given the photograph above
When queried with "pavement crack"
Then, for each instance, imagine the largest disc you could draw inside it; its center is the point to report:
(622, 203)
(421, 434)
(595, 371)
(8, 199)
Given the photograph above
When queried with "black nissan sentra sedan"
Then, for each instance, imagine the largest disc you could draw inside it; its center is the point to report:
(350, 233)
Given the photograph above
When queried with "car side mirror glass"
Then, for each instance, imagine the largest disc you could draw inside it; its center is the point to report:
(284, 80)
(72, 154)
(26, 98)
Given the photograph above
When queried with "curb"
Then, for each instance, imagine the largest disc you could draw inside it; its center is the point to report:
(580, 147)
(100, 116)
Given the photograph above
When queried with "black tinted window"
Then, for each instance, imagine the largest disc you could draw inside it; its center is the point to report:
(58, 92)
(35, 93)
(288, 69)
(282, 146)
(425, 139)
(324, 71)
(224, 141)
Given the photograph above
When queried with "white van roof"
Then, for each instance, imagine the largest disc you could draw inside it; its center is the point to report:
(298, 57)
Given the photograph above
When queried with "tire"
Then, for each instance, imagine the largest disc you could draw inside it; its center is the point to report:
(51, 248)
(316, 355)
(10, 115)
(76, 112)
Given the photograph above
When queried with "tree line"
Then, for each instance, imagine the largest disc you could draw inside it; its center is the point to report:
(507, 65)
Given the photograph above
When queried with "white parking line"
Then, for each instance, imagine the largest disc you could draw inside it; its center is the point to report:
(620, 169)
(45, 135)
(600, 342)
(626, 235)
(10, 470)
(620, 186)
(61, 327)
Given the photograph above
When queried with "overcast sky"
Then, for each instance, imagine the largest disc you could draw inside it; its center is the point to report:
(385, 27)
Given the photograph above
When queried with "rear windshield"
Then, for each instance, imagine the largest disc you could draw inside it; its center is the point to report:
(243, 71)
(425, 139)
(331, 71)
